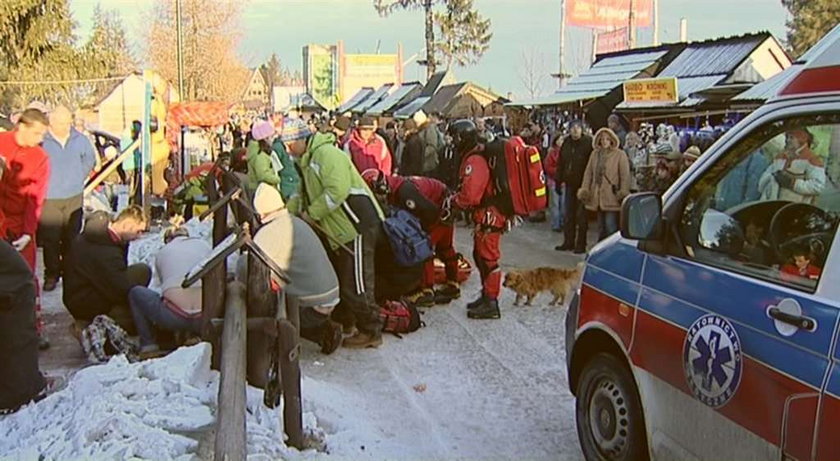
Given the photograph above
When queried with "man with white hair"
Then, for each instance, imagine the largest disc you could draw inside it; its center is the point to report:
(72, 157)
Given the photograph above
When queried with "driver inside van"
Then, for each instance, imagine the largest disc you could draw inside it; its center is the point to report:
(797, 174)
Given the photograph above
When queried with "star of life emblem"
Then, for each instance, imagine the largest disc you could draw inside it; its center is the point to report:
(712, 360)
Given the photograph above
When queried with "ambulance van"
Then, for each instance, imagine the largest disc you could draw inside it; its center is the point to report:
(709, 327)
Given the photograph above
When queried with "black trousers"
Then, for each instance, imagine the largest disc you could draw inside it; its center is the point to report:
(574, 216)
(61, 222)
(356, 270)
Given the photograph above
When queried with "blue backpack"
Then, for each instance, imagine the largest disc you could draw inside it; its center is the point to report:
(409, 242)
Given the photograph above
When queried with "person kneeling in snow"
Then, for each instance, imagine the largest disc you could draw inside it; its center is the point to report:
(97, 275)
(295, 248)
(177, 309)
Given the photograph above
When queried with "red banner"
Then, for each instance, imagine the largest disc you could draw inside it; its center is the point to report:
(608, 13)
(616, 40)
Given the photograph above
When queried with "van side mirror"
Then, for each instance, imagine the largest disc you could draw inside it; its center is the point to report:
(641, 216)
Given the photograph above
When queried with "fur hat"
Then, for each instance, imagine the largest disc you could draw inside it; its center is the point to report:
(692, 152)
(295, 129)
(410, 125)
(267, 199)
(262, 130)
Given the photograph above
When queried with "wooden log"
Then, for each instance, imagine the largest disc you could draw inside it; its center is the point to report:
(261, 302)
(289, 355)
(213, 307)
(230, 423)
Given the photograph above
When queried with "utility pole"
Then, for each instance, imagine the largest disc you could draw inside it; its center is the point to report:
(561, 71)
(683, 30)
(655, 22)
(631, 27)
(180, 50)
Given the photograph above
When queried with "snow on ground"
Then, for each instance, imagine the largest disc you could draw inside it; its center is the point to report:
(456, 389)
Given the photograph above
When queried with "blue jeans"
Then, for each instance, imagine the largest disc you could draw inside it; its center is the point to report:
(607, 223)
(148, 309)
(555, 207)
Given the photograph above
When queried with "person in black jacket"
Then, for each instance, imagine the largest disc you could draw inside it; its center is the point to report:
(99, 277)
(22, 380)
(574, 155)
(412, 156)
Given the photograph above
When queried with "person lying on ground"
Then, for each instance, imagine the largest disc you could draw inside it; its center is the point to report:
(97, 276)
(175, 309)
(297, 250)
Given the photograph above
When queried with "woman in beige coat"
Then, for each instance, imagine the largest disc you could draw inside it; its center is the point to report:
(606, 181)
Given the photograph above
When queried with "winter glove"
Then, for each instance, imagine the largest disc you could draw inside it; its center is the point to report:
(21, 242)
(785, 179)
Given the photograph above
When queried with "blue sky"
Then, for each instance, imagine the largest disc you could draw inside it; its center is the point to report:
(519, 26)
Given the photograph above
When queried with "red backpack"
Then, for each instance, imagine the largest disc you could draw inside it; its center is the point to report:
(518, 176)
(399, 317)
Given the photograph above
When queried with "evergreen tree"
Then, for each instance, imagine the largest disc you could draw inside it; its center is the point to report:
(386, 7)
(272, 73)
(464, 34)
(36, 44)
(107, 53)
(810, 20)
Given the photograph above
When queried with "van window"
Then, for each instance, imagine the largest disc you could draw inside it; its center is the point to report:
(769, 207)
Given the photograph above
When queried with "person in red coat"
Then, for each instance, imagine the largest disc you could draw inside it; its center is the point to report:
(368, 149)
(474, 191)
(552, 160)
(23, 188)
(425, 198)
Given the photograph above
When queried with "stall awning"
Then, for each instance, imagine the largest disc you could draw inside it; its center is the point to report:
(609, 72)
(409, 109)
(357, 99)
(401, 94)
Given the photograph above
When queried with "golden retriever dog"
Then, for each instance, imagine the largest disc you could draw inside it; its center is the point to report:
(530, 283)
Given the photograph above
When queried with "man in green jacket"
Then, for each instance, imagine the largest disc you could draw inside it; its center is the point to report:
(336, 201)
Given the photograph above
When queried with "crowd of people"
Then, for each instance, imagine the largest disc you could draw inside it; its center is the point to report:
(325, 192)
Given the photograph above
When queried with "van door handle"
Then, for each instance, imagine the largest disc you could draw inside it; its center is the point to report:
(798, 321)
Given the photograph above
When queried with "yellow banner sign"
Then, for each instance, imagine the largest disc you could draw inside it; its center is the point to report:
(651, 90)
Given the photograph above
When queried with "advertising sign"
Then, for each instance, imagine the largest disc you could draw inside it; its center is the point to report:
(368, 70)
(610, 42)
(608, 13)
(320, 69)
(651, 90)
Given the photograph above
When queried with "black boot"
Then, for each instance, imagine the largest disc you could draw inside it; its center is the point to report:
(564, 247)
(489, 309)
(472, 305)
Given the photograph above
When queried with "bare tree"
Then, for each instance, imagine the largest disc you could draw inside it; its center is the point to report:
(533, 71)
(212, 69)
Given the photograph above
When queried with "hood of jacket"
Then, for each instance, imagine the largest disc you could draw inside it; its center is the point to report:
(605, 132)
(96, 229)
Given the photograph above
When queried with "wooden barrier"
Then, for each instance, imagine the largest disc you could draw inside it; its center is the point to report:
(230, 426)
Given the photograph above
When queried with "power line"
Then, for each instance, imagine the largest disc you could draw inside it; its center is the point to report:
(61, 82)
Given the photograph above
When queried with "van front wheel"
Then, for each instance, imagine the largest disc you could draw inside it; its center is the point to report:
(609, 416)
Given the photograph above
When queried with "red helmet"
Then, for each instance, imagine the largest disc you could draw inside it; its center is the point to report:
(376, 180)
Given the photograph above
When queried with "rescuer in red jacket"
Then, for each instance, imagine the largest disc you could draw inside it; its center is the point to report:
(474, 194)
(23, 187)
(425, 198)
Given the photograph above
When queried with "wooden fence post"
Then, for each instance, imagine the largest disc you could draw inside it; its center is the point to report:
(289, 355)
(262, 303)
(230, 423)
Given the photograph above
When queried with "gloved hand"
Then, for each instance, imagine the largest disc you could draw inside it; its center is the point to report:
(21, 242)
(785, 179)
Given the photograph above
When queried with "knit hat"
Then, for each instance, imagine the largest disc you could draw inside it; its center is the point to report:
(175, 231)
(295, 129)
(665, 150)
(262, 130)
(342, 123)
(367, 122)
(420, 118)
(410, 125)
(267, 199)
(692, 152)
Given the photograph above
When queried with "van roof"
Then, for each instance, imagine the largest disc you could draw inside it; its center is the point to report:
(819, 69)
